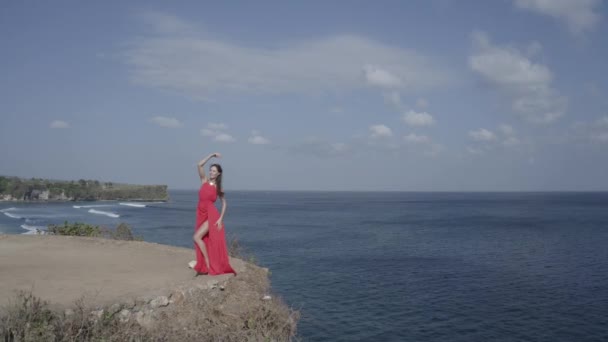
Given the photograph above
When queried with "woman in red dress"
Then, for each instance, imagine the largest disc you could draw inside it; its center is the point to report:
(209, 236)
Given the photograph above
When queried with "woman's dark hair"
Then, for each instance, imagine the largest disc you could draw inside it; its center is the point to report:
(218, 180)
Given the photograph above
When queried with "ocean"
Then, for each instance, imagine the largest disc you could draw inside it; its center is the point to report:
(399, 266)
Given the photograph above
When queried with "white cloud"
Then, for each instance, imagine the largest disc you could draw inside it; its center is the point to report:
(482, 134)
(380, 131)
(206, 132)
(223, 137)
(217, 126)
(511, 141)
(338, 147)
(257, 139)
(166, 24)
(413, 118)
(166, 122)
(423, 144)
(507, 66)
(602, 122)
(600, 130)
(579, 15)
(216, 132)
(527, 83)
(506, 129)
(600, 137)
(509, 135)
(416, 139)
(320, 148)
(487, 138)
(59, 124)
(179, 58)
(380, 77)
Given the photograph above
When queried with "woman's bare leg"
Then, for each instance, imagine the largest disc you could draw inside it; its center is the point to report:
(198, 239)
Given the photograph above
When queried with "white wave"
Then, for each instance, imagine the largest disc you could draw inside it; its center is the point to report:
(107, 213)
(13, 216)
(136, 205)
(7, 209)
(91, 206)
(32, 230)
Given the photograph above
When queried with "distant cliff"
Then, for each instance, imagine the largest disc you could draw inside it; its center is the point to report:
(37, 189)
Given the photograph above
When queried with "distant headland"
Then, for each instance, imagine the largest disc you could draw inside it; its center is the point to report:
(38, 189)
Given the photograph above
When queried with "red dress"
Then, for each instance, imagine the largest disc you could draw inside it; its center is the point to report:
(215, 239)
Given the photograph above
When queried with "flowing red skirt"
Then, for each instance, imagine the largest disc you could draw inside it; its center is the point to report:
(215, 242)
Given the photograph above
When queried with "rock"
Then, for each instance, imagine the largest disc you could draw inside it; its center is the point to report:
(130, 303)
(177, 297)
(146, 299)
(159, 301)
(68, 312)
(266, 297)
(114, 308)
(124, 315)
(96, 315)
(44, 195)
(139, 317)
(144, 318)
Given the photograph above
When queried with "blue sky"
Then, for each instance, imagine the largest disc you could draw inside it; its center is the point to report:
(409, 96)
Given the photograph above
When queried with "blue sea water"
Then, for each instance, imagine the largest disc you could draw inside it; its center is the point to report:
(390, 266)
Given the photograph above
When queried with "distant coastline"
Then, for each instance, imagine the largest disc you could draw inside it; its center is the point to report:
(15, 189)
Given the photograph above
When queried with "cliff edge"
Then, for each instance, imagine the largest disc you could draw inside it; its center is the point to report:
(133, 289)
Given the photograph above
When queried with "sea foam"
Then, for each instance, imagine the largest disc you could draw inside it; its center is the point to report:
(91, 206)
(107, 213)
(32, 230)
(136, 205)
(13, 216)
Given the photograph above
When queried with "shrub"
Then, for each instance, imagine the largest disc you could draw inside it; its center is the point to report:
(74, 229)
(122, 231)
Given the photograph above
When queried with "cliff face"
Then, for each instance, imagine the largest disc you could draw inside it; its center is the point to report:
(153, 295)
(17, 189)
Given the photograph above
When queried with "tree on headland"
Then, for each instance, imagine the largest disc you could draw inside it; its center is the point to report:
(82, 190)
(3, 184)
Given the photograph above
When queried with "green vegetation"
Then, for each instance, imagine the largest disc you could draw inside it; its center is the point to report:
(74, 229)
(122, 231)
(200, 318)
(14, 188)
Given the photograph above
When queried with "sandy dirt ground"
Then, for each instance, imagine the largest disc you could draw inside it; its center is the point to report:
(63, 269)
